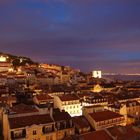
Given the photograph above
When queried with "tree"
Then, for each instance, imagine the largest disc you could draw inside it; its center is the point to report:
(16, 63)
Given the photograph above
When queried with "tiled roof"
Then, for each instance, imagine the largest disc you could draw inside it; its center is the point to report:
(60, 116)
(81, 95)
(68, 97)
(22, 108)
(96, 135)
(104, 115)
(124, 133)
(93, 106)
(43, 97)
(80, 122)
(19, 122)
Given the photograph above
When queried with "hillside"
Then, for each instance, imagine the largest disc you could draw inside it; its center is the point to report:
(18, 60)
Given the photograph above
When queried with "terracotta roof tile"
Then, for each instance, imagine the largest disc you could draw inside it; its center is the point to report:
(80, 122)
(104, 115)
(19, 122)
(124, 133)
(22, 108)
(68, 97)
(43, 97)
(60, 116)
(96, 135)
(81, 95)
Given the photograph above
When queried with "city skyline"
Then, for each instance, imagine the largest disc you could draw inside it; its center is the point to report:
(87, 34)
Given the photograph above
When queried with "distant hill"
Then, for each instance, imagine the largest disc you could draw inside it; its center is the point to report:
(18, 60)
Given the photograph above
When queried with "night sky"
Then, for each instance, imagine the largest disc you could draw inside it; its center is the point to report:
(86, 34)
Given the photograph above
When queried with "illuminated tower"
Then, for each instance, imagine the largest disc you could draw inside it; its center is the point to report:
(97, 74)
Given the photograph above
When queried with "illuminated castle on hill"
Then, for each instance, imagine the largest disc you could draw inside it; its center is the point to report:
(4, 64)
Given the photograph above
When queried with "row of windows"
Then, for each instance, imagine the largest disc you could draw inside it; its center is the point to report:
(70, 102)
(22, 133)
(74, 112)
(110, 121)
(47, 138)
(97, 100)
(133, 109)
(71, 107)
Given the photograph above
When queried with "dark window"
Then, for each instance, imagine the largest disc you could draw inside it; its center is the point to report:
(34, 132)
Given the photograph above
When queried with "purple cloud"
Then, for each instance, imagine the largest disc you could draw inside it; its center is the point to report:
(85, 34)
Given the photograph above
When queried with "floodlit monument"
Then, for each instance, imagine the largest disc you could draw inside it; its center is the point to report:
(97, 74)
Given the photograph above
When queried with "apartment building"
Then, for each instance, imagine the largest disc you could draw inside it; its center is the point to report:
(102, 119)
(68, 102)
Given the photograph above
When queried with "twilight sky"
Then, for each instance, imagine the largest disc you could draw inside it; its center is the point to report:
(86, 34)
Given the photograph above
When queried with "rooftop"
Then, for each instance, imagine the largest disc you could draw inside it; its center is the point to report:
(19, 122)
(80, 122)
(81, 95)
(60, 116)
(104, 115)
(123, 133)
(43, 97)
(96, 135)
(68, 97)
(22, 108)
